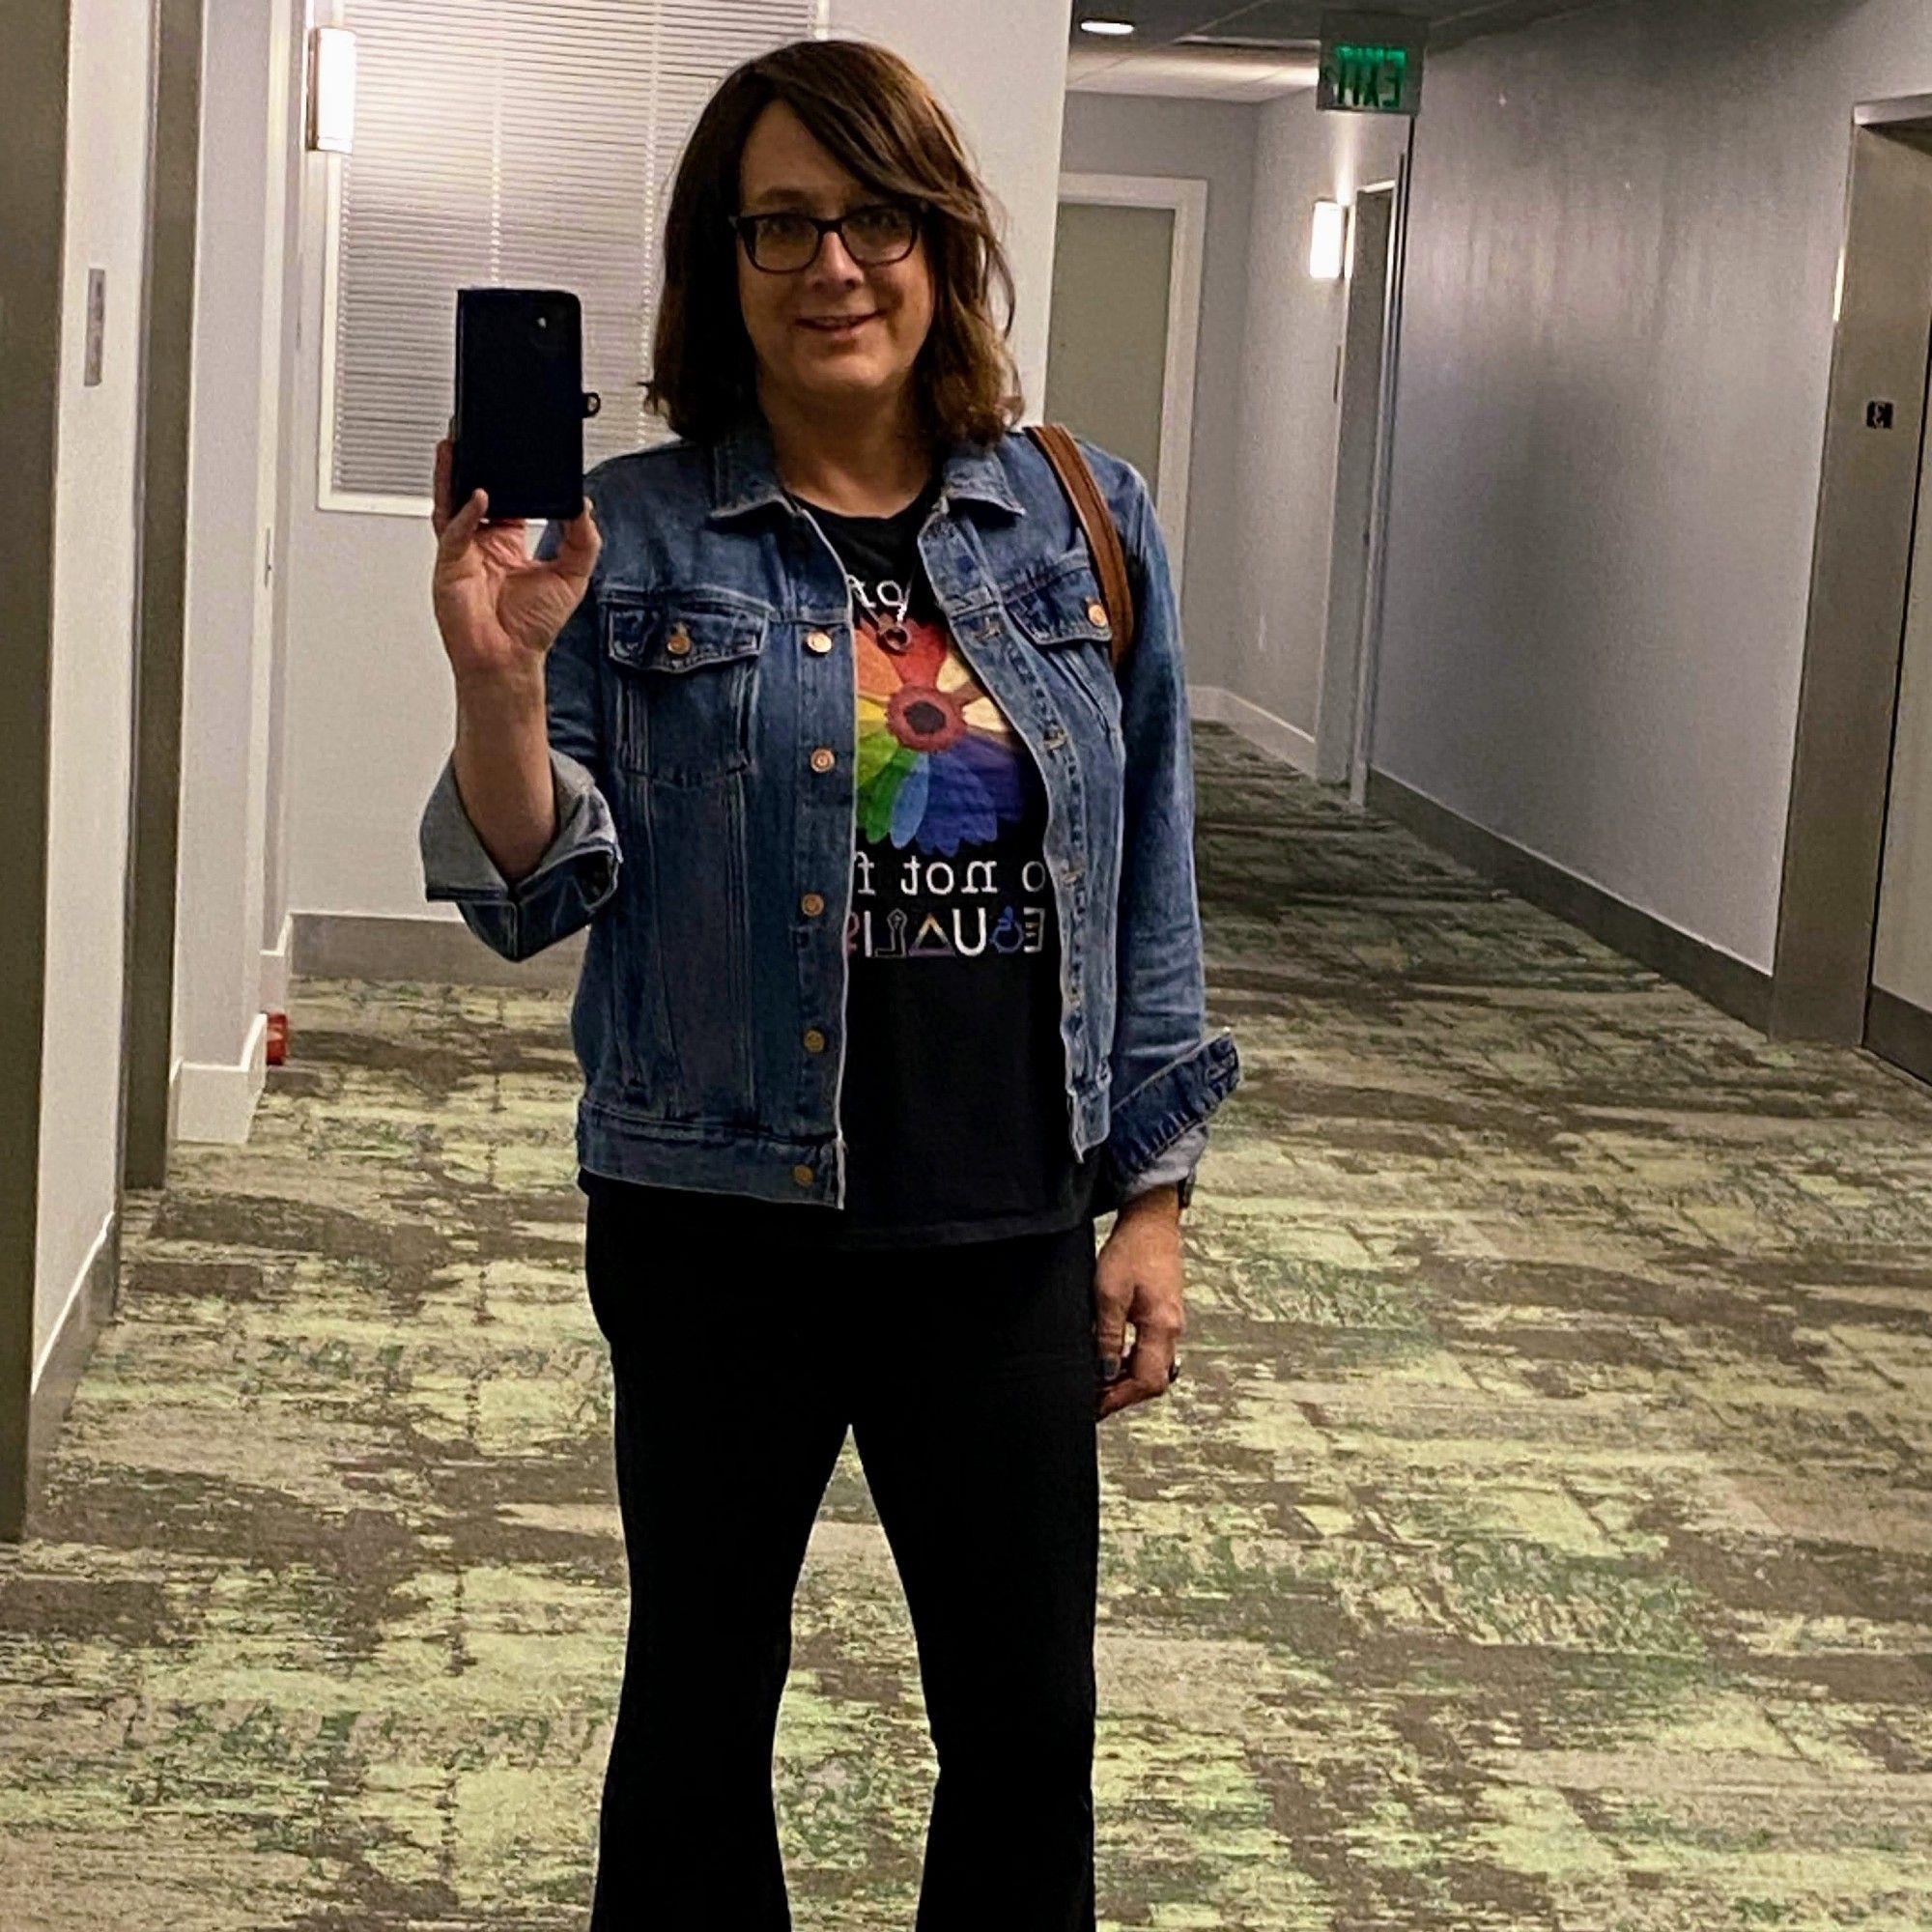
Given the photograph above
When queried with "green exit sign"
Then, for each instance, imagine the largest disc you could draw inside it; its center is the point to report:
(1370, 67)
(1369, 80)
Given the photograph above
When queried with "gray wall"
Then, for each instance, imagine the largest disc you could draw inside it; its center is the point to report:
(1211, 141)
(1615, 355)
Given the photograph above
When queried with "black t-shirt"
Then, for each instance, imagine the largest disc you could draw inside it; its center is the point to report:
(954, 1095)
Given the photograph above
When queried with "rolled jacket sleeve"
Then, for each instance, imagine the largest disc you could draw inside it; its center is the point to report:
(576, 874)
(1166, 1076)
(580, 869)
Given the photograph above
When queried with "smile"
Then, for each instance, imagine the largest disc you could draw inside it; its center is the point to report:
(837, 324)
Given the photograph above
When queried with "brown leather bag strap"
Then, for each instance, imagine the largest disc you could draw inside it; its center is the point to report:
(1103, 536)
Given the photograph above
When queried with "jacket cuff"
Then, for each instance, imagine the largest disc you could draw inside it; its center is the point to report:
(576, 874)
(1164, 1115)
(1175, 1168)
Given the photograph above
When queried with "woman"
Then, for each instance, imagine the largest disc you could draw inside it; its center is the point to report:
(894, 980)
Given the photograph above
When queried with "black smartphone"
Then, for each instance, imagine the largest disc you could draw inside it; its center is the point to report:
(520, 402)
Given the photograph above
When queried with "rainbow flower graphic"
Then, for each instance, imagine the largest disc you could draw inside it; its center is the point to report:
(939, 766)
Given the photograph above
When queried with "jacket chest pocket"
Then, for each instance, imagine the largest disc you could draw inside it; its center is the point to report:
(683, 663)
(1062, 618)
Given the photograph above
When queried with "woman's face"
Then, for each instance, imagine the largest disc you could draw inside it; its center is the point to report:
(783, 167)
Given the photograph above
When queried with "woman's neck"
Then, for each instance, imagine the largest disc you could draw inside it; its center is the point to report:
(866, 463)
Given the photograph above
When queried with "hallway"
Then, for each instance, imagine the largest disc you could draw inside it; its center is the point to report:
(1539, 1535)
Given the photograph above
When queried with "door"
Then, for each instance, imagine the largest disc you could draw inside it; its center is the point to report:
(1898, 1013)
(1127, 295)
(1107, 342)
(1859, 734)
(1340, 709)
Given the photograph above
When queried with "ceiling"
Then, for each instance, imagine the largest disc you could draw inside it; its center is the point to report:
(1253, 49)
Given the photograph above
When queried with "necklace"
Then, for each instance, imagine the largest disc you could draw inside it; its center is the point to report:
(898, 599)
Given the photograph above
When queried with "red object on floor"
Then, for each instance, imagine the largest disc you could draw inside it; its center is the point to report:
(278, 1038)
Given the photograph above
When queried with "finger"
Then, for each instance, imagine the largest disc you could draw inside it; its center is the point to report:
(1111, 1333)
(439, 489)
(462, 527)
(1152, 1358)
(1144, 1375)
(1113, 1387)
(578, 547)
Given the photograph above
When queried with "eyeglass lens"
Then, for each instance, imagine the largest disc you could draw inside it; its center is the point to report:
(873, 236)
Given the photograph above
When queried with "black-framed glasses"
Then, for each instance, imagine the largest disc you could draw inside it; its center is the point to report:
(789, 239)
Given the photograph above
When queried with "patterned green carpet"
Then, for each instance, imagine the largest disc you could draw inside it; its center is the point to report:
(1540, 1537)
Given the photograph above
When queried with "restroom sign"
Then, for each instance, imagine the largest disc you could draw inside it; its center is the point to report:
(1371, 64)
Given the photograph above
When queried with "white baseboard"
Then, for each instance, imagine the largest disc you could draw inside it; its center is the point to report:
(87, 1307)
(275, 969)
(1214, 704)
(210, 1102)
(79, 1310)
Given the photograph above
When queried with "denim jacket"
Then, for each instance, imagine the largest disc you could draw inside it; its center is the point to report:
(701, 716)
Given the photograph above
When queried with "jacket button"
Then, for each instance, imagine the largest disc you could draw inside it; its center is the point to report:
(824, 759)
(815, 1040)
(804, 1176)
(1097, 613)
(1055, 738)
(812, 905)
(819, 641)
(678, 643)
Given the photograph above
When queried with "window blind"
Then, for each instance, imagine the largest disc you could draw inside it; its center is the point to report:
(523, 142)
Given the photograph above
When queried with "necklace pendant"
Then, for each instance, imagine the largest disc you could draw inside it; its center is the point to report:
(895, 638)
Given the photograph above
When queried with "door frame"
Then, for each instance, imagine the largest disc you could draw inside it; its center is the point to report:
(144, 1129)
(1369, 664)
(33, 214)
(1185, 197)
(1339, 723)
(1860, 587)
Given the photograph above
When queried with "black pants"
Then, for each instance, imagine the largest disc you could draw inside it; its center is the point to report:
(968, 1376)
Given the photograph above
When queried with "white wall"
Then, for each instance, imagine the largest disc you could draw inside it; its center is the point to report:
(371, 713)
(246, 134)
(1284, 491)
(1607, 443)
(1196, 140)
(1000, 66)
(93, 657)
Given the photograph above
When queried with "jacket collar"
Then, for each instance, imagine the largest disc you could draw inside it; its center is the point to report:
(744, 474)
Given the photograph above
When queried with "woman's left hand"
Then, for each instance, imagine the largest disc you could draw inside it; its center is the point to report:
(1138, 1277)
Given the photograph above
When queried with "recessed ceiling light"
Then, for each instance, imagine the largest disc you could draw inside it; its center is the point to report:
(1117, 28)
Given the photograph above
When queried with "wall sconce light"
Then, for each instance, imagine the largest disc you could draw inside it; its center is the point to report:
(331, 90)
(1329, 251)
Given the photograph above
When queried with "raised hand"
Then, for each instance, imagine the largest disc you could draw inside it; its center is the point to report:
(499, 608)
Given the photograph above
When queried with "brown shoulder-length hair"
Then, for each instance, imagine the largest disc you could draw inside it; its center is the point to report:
(882, 122)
